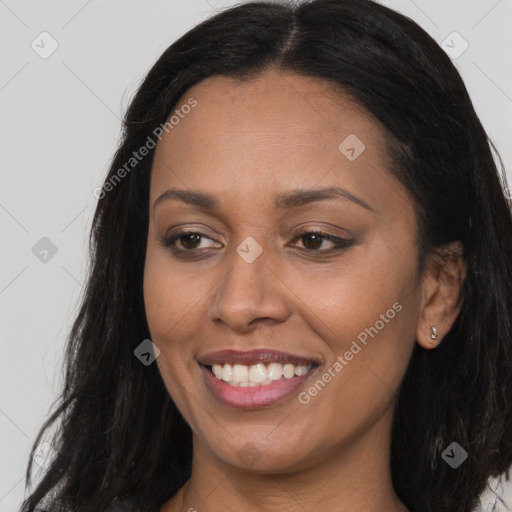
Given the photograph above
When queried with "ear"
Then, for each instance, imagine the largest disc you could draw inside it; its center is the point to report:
(441, 285)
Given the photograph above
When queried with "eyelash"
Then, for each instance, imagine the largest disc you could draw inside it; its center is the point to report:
(340, 243)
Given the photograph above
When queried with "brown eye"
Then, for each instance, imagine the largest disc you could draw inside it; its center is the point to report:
(312, 241)
(189, 241)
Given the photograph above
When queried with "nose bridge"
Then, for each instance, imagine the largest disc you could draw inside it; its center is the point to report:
(248, 289)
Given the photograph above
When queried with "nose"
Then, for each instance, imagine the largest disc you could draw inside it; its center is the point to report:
(250, 292)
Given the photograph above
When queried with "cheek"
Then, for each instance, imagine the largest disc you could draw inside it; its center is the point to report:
(370, 338)
(158, 297)
(366, 314)
(169, 296)
(344, 299)
(174, 302)
(169, 301)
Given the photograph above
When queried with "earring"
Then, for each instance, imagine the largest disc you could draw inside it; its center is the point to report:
(434, 333)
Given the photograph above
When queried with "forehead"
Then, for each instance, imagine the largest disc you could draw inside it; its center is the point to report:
(273, 132)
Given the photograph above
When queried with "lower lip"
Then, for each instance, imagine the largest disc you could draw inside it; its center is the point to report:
(255, 396)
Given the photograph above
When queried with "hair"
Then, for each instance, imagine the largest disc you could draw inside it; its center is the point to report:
(120, 437)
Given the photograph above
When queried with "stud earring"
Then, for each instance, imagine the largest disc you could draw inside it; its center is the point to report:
(434, 333)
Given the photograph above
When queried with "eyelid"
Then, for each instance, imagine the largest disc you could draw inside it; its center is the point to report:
(166, 240)
(339, 242)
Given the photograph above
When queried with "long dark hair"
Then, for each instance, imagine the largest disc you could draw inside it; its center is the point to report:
(121, 437)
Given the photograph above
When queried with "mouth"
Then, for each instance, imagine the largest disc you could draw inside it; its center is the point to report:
(258, 374)
(255, 379)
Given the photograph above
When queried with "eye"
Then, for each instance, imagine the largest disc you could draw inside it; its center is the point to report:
(187, 239)
(313, 240)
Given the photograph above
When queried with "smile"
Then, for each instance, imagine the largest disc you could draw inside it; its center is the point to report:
(256, 378)
(258, 374)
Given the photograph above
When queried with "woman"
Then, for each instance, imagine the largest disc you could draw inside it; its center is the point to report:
(299, 296)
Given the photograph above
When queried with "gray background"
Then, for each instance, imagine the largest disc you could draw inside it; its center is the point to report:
(60, 127)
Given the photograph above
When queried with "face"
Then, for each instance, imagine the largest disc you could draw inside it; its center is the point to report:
(277, 233)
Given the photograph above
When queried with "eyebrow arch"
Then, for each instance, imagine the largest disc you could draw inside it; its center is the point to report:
(292, 199)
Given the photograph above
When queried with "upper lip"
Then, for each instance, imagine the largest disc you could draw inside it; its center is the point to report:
(251, 357)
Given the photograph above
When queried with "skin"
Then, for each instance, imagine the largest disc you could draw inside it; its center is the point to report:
(244, 143)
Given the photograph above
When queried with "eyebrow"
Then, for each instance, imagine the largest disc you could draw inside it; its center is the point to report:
(292, 199)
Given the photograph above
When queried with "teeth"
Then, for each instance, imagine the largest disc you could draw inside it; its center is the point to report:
(217, 371)
(258, 374)
(288, 371)
(226, 373)
(240, 373)
(275, 371)
(301, 370)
